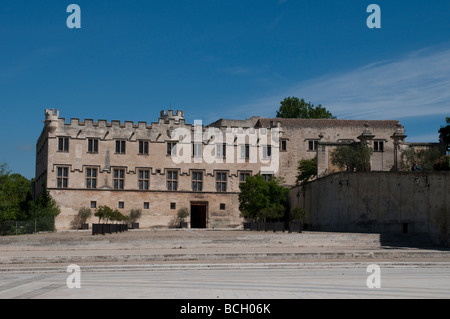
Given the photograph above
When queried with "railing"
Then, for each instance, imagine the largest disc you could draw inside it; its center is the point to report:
(36, 225)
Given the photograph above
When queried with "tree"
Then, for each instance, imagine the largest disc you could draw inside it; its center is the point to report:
(103, 212)
(292, 107)
(307, 169)
(261, 199)
(444, 133)
(355, 157)
(15, 191)
(135, 214)
(412, 159)
(83, 214)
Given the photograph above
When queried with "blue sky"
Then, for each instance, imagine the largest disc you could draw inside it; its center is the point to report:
(219, 59)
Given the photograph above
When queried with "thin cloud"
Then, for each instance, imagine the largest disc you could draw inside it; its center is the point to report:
(415, 85)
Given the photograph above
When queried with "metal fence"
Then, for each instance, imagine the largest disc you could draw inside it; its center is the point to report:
(16, 227)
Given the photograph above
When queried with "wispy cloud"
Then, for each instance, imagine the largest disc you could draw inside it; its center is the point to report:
(414, 85)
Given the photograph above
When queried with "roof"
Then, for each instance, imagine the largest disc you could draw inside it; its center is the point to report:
(299, 122)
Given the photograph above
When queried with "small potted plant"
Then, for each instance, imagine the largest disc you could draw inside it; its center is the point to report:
(135, 214)
(296, 216)
(182, 214)
(83, 214)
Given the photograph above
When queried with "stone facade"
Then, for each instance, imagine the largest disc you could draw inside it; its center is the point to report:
(169, 164)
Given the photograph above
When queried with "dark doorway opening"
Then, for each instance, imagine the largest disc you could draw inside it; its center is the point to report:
(199, 213)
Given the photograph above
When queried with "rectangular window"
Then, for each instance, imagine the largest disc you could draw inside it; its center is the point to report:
(146, 205)
(197, 181)
(172, 180)
(143, 147)
(221, 182)
(121, 205)
(245, 151)
(267, 151)
(63, 144)
(120, 147)
(93, 204)
(173, 205)
(62, 179)
(92, 145)
(197, 150)
(91, 178)
(222, 206)
(267, 177)
(119, 178)
(221, 150)
(283, 145)
(171, 148)
(243, 177)
(144, 179)
(378, 146)
(312, 145)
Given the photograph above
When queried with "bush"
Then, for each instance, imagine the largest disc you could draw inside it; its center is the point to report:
(442, 164)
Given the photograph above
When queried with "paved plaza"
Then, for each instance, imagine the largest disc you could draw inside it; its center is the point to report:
(220, 264)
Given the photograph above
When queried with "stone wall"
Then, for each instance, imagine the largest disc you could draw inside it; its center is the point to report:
(401, 202)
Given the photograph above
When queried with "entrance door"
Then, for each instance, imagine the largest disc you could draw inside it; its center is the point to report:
(199, 213)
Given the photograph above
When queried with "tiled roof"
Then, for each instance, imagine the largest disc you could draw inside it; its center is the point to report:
(286, 122)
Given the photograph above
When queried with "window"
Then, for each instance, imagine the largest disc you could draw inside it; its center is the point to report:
(93, 204)
(173, 205)
(91, 177)
(119, 178)
(62, 179)
(312, 145)
(171, 148)
(245, 151)
(120, 147)
(222, 206)
(143, 147)
(144, 179)
(243, 177)
(197, 181)
(221, 150)
(172, 180)
(146, 205)
(92, 145)
(267, 177)
(221, 182)
(121, 205)
(378, 146)
(283, 145)
(63, 144)
(267, 151)
(197, 151)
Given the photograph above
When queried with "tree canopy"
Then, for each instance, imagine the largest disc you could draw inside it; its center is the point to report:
(261, 199)
(307, 169)
(355, 157)
(444, 133)
(293, 107)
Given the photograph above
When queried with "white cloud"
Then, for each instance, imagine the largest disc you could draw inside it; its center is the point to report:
(414, 85)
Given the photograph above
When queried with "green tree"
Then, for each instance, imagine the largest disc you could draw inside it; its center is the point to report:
(261, 199)
(103, 212)
(15, 191)
(444, 133)
(355, 157)
(292, 107)
(413, 159)
(307, 169)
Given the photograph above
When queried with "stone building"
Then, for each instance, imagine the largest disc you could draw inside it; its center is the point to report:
(169, 164)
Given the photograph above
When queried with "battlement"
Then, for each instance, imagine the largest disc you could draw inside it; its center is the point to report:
(51, 114)
(170, 115)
